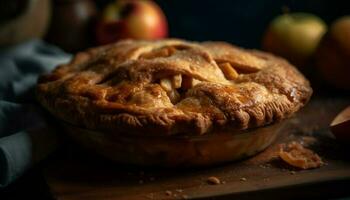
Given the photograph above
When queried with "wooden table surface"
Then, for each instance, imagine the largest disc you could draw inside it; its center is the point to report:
(77, 175)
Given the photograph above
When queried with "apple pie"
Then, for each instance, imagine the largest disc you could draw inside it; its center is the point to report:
(171, 89)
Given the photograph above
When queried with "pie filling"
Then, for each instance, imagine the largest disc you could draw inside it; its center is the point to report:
(177, 85)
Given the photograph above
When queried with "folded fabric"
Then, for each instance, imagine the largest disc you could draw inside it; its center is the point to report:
(24, 134)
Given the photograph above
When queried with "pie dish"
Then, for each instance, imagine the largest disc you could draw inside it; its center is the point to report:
(171, 89)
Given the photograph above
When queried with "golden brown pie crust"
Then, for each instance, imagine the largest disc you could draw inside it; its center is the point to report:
(173, 87)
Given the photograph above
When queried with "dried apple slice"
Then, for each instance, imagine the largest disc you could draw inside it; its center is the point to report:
(229, 72)
(177, 80)
(170, 85)
(189, 82)
(166, 84)
(174, 96)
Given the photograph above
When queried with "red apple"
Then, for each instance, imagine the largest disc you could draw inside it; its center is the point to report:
(333, 53)
(138, 19)
(294, 36)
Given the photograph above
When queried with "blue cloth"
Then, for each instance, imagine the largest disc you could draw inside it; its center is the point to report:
(24, 135)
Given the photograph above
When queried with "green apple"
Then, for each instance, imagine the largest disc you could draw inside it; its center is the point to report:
(294, 36)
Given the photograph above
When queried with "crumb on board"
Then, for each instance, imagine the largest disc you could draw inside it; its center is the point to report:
(308, 140)
(168, 193)
(150, 196)
(212, 180)
(179, 190)
(265, 166)
(300, 157)
(184, 196)
(243, 179)
(262, 166)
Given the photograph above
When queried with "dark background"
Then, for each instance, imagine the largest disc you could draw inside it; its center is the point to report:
(241, 22)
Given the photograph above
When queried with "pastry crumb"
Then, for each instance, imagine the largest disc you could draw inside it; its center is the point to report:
(213, 180)
(184, 196)
(168, 193)
(300, 157)
(150, 196)
(308, 140)
(179, 190)
(243, 179)
(265, 166)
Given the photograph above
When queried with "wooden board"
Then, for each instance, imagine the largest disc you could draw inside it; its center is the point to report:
(76, 175)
